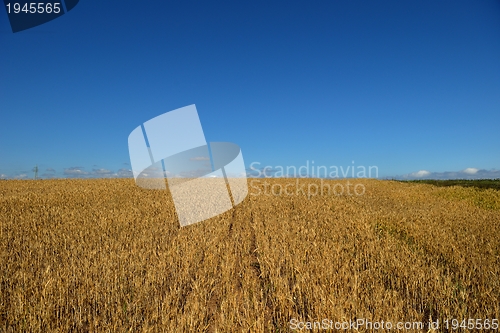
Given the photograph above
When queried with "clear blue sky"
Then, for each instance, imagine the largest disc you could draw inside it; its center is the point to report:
(407, 86)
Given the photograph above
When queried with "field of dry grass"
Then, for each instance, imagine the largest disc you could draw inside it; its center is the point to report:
(108, 256)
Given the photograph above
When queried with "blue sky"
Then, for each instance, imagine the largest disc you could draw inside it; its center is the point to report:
(412, 87)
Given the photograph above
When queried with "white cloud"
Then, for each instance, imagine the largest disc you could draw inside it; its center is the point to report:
(102, 172)
(471, 171)
(468, 173)
(75, 172)
(421, 173)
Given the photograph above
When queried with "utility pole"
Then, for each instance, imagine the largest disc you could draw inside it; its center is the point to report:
(35, 170)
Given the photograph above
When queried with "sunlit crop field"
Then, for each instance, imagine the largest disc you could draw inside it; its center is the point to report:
(108, 256)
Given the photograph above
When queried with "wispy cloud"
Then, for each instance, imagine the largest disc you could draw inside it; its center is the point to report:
(468, 173)
(124, 173)
(76, 172)
(420, 174)
(72, 172)
(102, 172)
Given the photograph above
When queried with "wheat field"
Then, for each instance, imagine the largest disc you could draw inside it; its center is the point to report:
(104, 255)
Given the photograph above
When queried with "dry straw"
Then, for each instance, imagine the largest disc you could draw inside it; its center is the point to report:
(107, 256)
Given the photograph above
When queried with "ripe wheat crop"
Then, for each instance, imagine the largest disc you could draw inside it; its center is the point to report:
(108, 256)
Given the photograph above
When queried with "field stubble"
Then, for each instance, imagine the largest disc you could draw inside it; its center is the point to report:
(105, 255)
